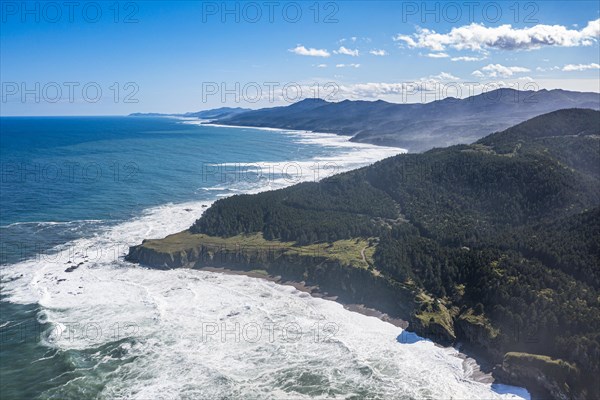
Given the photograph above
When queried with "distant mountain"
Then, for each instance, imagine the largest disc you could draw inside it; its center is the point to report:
(416, 127)
(223, 112)
(151, 115)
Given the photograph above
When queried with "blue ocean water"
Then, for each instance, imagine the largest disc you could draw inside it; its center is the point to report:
(78, 191)
(90, 171)
(67, 178)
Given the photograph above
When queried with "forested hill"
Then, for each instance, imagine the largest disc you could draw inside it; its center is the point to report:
(416, 127)
(503, 232)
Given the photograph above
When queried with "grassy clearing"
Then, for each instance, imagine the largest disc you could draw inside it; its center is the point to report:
(357, 252)
(537, 358)
(480, 320)
(557, 369)
(436, 313)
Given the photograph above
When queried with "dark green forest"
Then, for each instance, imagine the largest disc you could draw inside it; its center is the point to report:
(507, 228)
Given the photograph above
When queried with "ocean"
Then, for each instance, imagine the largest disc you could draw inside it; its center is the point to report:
(77, 191)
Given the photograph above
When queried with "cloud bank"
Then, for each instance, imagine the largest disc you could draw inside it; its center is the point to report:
(477, 37)
(496, 70)
(580, 67)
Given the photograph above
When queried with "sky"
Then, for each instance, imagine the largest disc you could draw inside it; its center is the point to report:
(115, 58)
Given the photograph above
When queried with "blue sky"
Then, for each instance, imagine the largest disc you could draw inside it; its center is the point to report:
(185, 56)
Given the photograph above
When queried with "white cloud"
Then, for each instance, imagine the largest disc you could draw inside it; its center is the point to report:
(580, 67)
(355, 39)
(477, 73)
(321, 66)
(445, 76)
(479, 37)
(303, 51)
(466, 58)
(495, 70)
(437, 55)
(377, 90)
(371, 89)
(541, 69)
(431, 88)
(380, 53)
(347, 65)
(346, 51)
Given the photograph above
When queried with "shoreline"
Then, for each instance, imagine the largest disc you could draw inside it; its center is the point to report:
(344, 138)
(478, 368)
(313, 291)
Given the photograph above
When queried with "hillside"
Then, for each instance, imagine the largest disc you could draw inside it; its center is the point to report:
(417, 127)
(494, 244)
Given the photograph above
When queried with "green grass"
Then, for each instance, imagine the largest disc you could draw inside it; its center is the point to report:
(480, 320)
(437, 314)
(260, 272)
(347, 252)
(186, 240)
(537, 358)
(557, 369)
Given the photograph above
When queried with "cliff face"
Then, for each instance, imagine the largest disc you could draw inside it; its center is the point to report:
(478, 333)
(150, 257)
(332, 278)
(557, 378)
(349, 284)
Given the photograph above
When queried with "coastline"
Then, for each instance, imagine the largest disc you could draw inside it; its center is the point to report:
(342, 137)
(179, 213)
(477, 364)
(477, 367)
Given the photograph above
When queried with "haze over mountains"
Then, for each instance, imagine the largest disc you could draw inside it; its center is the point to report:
(215, 113)
(416, 127)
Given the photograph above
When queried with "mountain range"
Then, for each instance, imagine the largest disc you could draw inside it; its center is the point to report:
(416, 127)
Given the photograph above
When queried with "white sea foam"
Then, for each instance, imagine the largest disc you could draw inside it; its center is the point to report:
(257, 176)
(167, 314)
(53, 223)
(163, 324)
